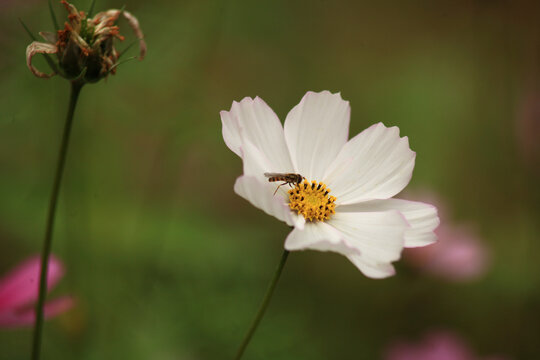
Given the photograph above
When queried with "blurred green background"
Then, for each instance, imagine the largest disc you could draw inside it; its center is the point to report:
(167, 262)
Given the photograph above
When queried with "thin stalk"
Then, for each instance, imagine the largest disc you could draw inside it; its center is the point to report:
(53, 16)
(45, 254)
(263, 306)
(91, 10)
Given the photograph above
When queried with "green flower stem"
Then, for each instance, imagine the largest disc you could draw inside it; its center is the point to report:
(263, 306)
(76, 87)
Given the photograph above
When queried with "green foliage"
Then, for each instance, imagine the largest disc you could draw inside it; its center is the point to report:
(166, 262)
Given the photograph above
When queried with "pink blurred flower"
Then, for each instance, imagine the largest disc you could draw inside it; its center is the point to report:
(19, 292)
(434, 346)
(458, 255)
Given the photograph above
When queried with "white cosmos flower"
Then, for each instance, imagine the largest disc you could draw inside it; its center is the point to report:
(345, 203)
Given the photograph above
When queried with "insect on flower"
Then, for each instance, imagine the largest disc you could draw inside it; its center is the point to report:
(345, 203)
(287, 178)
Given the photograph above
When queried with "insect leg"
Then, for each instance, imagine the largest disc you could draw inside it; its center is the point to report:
(279, 187)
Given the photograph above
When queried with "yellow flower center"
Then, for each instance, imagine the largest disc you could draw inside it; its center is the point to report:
(312, 201)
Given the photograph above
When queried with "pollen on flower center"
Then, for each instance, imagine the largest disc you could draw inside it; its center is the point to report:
(312, 201)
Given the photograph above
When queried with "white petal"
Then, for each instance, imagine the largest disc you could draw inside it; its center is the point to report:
(370, 240)
(255, 162)
(259, 195)
(372, 269)
(252, 121)
(315, 130)
(379, 236)
(299, 220)
(319, 236)
(422, 218)
(375, 164)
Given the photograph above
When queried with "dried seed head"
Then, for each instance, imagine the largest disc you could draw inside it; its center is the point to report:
(85, 47)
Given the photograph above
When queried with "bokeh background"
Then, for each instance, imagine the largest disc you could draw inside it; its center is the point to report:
(167, 262)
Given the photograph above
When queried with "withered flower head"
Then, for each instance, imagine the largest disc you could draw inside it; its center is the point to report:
(85, 47)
